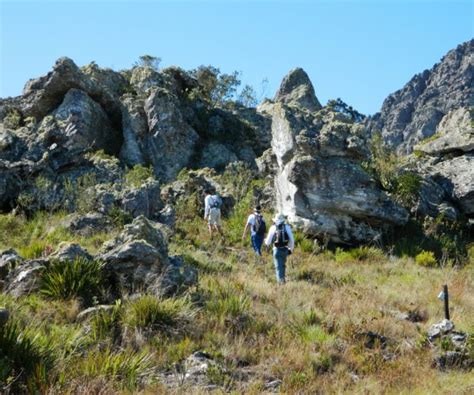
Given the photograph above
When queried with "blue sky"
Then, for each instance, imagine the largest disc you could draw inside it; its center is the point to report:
(357, 50)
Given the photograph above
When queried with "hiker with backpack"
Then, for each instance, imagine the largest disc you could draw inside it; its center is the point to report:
(212, 211)
(281, 236)
(257, 226)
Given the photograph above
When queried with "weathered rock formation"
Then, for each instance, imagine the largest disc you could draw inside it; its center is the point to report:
(413, 113)
(319, 182)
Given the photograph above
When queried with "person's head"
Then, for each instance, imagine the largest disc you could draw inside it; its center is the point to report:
(258, 209)
(279, 219)
(208, 191)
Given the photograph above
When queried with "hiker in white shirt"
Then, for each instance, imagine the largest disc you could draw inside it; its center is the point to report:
(281, 236)
(212, 211)
(257, 226)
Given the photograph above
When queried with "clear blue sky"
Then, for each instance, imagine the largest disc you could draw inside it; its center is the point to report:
(357, 50)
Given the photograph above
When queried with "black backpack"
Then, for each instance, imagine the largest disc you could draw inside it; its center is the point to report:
(216, 201)
(281, 236)
(259, 227)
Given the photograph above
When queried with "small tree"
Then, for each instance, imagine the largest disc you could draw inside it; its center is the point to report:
(340, 106)
(215, 87)
(247, 96)
(148, 61)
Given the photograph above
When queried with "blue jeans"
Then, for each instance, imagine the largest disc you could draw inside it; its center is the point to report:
(279, 259)
(257, 241)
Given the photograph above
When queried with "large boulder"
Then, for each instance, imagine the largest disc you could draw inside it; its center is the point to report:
(454, 133)
(296, 89)
(85, 124)
(170, 142)
(137, 261)
(320, 183)
(456, 177)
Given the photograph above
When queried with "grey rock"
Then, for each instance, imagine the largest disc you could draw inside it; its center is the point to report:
(135, 129)
(144, 200)
(171, 140)
(9, 259)
(456, 176)
(4, 316)
(85, 314)
(86, 125)
(296, 89)
(415, 111)
(320, 184)
(69, 252)
(453, 360)
(87, 224)
(136, 258)
(25, 278)
(217, 156)
(455, 134)
(440, 328)
(167, 216)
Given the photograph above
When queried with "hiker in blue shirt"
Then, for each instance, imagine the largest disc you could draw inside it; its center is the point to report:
(257, 230)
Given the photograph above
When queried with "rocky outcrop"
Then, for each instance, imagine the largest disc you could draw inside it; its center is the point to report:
(137, 261)
(414, 112)
(320, 183)
(297, 90)
(454, 134)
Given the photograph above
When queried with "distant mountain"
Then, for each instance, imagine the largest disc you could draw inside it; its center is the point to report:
(413, 113)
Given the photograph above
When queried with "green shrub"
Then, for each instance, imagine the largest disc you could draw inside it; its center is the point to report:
(22, 360)
(426, 258)
(362, 253)
(407, 187)
(107, 322)
(227, 302)
(137, 175)
(128, 368)
(66, 280)
(151, 312)
(12, 119)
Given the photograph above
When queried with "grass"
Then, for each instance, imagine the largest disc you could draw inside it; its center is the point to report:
(303, 333)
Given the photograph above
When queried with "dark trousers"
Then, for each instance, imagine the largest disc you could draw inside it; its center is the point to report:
(257, 241)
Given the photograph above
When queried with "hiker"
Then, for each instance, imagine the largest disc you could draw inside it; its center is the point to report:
(281, 236)
(257, 229)
(212, 211)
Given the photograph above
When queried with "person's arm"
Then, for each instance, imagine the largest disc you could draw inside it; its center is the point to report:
(271, 234)
(291, 239)
(249, 222)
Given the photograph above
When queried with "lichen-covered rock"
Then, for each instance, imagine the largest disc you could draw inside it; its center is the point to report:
(456, 177)
(170, 143)
(9, 260)
(454, 133)
(296, 89)
(85, 125)
(320, 184)
(414, 112)
(25, 278)
(69, 252)
(136, 259)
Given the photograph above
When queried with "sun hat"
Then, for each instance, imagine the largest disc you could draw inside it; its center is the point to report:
(279, 219)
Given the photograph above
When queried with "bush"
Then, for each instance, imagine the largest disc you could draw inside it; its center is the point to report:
(426, 258)
(362, 253)
(22, 360)
(66, 280)
(407, 187)
(137, 175)
(128, 367)
(152, 312)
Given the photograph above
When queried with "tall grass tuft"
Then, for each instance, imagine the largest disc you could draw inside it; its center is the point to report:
(67, 280)
(127, 368)
(22, 358)
(151, 312)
